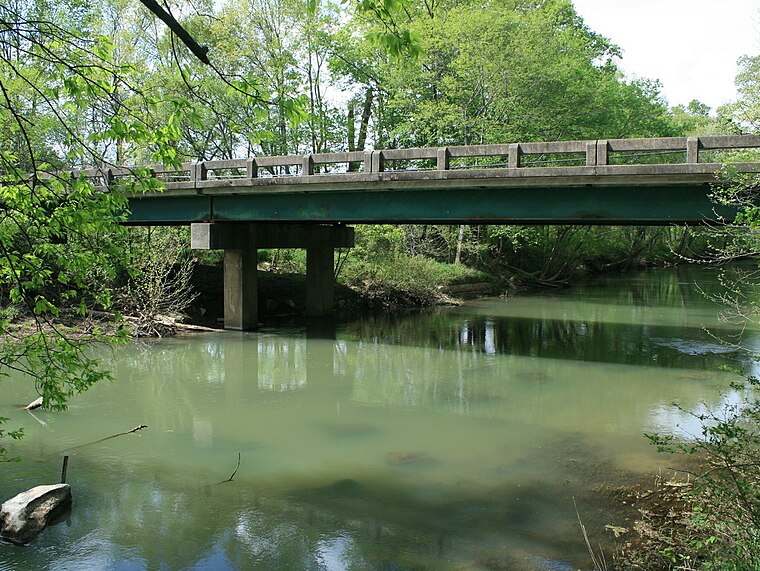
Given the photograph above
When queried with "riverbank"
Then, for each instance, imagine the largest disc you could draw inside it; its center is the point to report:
(660, 527)
(280, 294)
(683, 521)
(284, 294)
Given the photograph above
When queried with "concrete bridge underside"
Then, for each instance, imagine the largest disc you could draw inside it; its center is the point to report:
(241, 242)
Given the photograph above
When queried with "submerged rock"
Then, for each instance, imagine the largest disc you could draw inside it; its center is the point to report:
(349, 430)
(347, 488)
(404, 458)
(344, 487)
(23, 517)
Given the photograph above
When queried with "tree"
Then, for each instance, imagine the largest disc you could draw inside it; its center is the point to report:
(68, 99)
(512, 70)
(503, 71)
(746, 110)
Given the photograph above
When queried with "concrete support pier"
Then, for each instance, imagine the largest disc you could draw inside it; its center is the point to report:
(320, 282)
(241, 292)
(240, 242)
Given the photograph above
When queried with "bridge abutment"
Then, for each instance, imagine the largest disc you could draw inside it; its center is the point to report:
(241, 241)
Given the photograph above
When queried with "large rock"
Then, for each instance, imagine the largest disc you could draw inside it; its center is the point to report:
(24, 516)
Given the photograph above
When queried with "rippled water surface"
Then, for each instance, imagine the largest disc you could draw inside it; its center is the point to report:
(451, 439)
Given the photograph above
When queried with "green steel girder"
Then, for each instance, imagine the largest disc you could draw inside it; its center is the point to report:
(162, 210)
(582, 205)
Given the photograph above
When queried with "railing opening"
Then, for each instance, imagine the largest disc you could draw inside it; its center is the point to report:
(339, 167)
(545, 160)
(279, 171)
(168, 176)
(405, 165)
(226, 173)
(665, 157)
(479, 162)
(720, 156)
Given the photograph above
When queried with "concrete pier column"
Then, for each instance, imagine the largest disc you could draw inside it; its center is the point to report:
(320, 282)
(240, 289)
(240, 242)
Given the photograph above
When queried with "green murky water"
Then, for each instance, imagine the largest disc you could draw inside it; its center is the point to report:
(451, 439)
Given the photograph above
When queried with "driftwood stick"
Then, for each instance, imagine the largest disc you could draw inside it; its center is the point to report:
(233, 473)
(236, 469)
(135, 429)
(64, 469)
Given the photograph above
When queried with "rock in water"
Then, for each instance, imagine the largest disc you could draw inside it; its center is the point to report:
(23, 517)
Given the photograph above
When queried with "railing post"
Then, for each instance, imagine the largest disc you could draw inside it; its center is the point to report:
(590, 153)
(377, 161)
(251, 168)
(443, 157)
(368, 166)
(307, 167)
(602, 153)
(692, 150)
(514, 155)
(200, 172)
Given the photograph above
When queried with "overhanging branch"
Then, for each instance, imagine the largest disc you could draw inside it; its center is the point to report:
(201, 52)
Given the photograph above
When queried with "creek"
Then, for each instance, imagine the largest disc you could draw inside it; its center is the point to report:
(455, 438)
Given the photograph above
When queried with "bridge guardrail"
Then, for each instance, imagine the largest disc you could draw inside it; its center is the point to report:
(584, 157)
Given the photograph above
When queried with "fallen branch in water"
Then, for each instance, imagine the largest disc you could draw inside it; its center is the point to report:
(135, 429)
(233, 474)
(160, 320)
(37, 403)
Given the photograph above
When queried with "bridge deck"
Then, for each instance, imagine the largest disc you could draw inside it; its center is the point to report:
(575, 182)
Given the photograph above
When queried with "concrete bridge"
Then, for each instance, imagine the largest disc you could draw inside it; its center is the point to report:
(622, 181)
(305, 201)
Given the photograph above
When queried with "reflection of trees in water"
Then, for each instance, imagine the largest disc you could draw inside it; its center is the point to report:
(474, 383)
(587, 340)
(498, 366)
(671, 287)
(609, 322)
(168, 379)
(282, 363)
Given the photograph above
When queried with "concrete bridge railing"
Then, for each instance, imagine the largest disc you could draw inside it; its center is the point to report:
(597, 158)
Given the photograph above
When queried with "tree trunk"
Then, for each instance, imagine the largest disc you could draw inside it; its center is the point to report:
(351, 127)
(360, 142)
(460, 241)
(364, 125)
